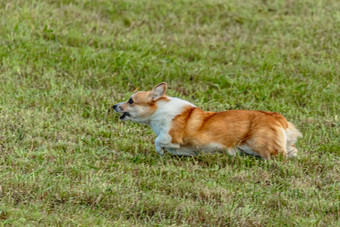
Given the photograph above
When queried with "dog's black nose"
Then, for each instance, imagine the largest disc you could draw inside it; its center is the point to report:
(114, 107)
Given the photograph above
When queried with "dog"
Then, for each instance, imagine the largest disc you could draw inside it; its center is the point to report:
(184, 129)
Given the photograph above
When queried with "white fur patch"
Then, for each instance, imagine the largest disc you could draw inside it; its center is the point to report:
(285, 139)
(233, 151)
(248, 150)
(292, 152)
(161, 120)
(292, 134)
(211, 147)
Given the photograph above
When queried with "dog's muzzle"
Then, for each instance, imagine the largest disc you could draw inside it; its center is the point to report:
(118, 110)
(125, 114)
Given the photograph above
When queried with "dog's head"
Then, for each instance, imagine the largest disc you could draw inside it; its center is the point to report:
(142, 104)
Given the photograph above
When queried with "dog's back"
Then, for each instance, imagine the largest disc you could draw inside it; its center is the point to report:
(265, 133)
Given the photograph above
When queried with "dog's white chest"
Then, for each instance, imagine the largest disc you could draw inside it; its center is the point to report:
(166, 112)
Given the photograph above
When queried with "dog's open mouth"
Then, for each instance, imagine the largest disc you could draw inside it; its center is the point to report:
(124, 115)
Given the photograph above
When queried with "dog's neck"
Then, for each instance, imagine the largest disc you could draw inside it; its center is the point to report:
(166, 111)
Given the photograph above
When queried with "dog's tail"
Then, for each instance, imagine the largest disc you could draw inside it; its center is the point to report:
(292, 136)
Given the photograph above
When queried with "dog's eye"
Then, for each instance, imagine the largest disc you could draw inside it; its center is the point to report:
(130, 101)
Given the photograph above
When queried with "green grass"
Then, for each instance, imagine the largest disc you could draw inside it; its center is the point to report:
(65, 159)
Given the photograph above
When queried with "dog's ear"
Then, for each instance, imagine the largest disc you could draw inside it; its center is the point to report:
(158, 91)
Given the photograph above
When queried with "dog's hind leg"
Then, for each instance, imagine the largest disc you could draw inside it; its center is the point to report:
(267, 142)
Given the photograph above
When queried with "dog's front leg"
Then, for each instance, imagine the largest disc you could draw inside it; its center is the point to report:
(159, 147)
(159, 144)
(164, 141)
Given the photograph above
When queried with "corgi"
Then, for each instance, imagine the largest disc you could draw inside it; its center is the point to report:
(184, 129)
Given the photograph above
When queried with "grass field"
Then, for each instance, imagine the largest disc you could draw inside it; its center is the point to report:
(66, 159)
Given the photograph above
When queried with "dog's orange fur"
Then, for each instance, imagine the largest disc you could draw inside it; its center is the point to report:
(266, 133)
(259, 130)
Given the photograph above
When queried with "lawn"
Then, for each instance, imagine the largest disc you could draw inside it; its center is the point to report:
(67, 160)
